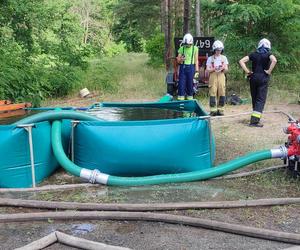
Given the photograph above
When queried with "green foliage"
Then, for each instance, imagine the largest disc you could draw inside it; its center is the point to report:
(114, 49)
(242, 24)
(102, 75)
(41, 52)
(45, 46)
(155, 49)
(135, 22)
(16, 73)
(125, 77)
(125, 31)
(142, 15)
(96, 19)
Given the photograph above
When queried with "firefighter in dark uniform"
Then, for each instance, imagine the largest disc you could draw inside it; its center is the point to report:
(263, 62)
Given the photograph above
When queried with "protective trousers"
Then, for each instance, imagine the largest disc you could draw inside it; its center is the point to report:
(185, 85)
(217, 92)
(259, 91)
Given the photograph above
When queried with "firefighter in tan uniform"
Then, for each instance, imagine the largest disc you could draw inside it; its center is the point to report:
(217, 66)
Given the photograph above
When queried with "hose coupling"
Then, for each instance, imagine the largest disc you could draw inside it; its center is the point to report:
(94, 176)
(280, 152)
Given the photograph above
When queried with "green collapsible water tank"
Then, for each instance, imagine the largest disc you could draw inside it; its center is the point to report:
(15, 163)
(146, 147)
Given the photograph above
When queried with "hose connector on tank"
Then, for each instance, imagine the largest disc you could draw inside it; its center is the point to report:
(94, 176)
(280, 152)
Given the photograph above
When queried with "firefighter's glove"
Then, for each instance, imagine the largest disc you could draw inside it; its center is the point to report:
(196, 75)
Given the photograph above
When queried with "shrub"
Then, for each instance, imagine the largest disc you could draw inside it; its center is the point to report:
(155, 49)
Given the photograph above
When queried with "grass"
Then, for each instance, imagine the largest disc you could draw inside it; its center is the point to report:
(129, 77)
(283, 87)
(124, 77)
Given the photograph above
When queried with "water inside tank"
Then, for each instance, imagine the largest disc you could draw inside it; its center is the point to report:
(110, 114)
(139, 113)
(13, 116)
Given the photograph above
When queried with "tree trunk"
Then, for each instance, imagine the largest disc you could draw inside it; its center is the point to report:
(85, 15)
(186, 16)
(198, 17)
(178, 17)
(170, 29)
(167, 30)
(86, 26)
(162, 16)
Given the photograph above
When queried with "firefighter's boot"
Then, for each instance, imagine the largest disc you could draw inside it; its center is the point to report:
(213, 106)
(255, 122)
(221, 105)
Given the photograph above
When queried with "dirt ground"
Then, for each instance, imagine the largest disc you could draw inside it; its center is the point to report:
(233, 138)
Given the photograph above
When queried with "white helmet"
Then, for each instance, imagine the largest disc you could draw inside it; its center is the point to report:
(218, 45)
(264, 42)
(188, 39)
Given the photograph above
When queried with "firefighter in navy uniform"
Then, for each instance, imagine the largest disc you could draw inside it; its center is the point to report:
(263, 62)
(189, 68)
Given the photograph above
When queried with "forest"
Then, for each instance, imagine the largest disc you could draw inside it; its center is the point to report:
(48, 46)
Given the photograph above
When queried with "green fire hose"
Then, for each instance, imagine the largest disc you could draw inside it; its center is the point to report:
(54, 115)
(94, 176)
